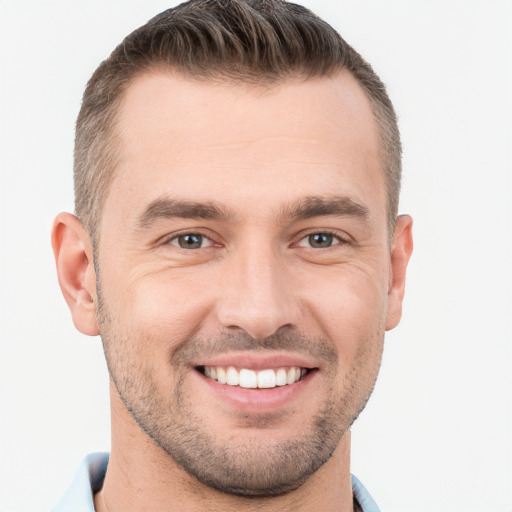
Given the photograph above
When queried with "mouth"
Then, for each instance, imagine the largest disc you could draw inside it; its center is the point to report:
(254, 379)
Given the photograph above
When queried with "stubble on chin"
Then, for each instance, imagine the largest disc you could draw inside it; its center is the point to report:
(248, 465)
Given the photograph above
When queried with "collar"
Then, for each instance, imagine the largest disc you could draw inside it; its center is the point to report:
(88, 480)
(90, 475)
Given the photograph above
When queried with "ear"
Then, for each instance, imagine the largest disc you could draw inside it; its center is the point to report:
(401, 251)
(75, 269)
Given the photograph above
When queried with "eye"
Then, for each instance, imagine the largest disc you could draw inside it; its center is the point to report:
(191, 241)
(319, 240)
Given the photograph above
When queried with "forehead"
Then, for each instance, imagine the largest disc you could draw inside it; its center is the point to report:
(198, 139)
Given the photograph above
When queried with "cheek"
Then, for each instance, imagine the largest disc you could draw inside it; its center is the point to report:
(352, 315)
(163, 306)
(350, 308)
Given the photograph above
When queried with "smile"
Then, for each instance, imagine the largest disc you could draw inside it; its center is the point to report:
(250, 379)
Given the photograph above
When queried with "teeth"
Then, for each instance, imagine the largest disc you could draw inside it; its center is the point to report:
(264, 379)
(221, 375)
(248, 379)
(267, 379)
(232, 377)
(281, 377)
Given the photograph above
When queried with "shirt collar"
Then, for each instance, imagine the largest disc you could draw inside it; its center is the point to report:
(363, 497)
(90, 475)
(88, 480)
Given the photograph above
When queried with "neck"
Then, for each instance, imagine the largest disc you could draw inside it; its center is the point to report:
(142, 476)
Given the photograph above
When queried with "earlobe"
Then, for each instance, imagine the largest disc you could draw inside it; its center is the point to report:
(75, 269)
(401, 251)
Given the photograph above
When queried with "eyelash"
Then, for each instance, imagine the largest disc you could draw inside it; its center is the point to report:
(335, 234)
(190, 233)
(338, 239)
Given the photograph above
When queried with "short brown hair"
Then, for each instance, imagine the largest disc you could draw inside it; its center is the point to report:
(235, 41)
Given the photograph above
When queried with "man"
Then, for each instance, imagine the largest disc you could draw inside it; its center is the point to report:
(237, 247)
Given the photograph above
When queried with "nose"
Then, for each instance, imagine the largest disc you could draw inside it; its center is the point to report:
(256, 293)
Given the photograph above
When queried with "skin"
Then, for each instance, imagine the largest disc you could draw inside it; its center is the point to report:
(255, 289)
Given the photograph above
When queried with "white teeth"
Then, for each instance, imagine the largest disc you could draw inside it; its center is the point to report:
(221, 375)
(248, 379)
(281, 377)
(232, 377)
(264, 379)
(267, 379)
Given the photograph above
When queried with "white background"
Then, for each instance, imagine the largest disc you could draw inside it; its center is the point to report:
(437, 434)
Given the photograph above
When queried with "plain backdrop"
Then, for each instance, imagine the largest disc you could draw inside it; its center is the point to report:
(437, 433)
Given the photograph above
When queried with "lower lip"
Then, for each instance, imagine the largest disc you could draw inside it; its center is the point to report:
(258, 400)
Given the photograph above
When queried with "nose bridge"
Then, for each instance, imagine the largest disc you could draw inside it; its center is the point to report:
(254, 294)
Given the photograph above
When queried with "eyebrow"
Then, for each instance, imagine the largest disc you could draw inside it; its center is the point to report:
(302, 209)
(318, 206)
(168, 208)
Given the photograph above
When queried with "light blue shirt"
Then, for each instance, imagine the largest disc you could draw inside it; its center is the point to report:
(89, 479)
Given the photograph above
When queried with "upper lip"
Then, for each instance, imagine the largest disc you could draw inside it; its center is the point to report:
(255, 361)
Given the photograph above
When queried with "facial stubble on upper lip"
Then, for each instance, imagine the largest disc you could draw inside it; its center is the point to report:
(285, 339)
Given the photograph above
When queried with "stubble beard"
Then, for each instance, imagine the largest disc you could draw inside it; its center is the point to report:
(252, 466)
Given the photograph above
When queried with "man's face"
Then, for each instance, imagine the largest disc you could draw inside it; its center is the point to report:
(245, 238)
